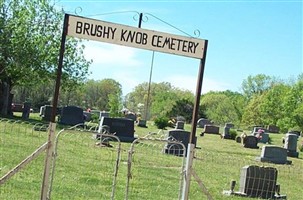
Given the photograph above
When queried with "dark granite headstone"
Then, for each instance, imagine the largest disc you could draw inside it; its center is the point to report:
(273, 129)
(123, 128)
(46, 112)
(87, 116)
(250, 141)
(258, 181)
(291, 142)
(142, 123)
(42, 108)
(273, 154)
(211, 129)
(264, 138)
(71, 115)
(226, 134)
(257, 128)
(202, 122)
(131, 116)
(104, 114)
(180, 136)
(180, 125)
(229, 125)
(298, 133)
(238, 139)
(26, 110)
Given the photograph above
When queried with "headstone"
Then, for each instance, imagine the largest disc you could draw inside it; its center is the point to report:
(42, 108)
(211, 129)
(258, 181)
(290, 143)
(238, 139)
(273, 129)
(131, 116)
(264, 138)
(257, 128)
(104, 114)
(250, 141)
(180, 125)
(181, 136)
(71, 115)
(202, 122)
(298, 133)
(273, 154)
(226, 134)
(87, 116)
(123, 128)
(142, 123)
(229, 125)
(26, 110)
(46, 112)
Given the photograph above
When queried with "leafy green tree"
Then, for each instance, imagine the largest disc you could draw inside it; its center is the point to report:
(29, 46)
(140, 96)
(72, 96)
(239, 102)
(257, 85)
(165, 101)
(97, 93)
(252, 113)
(161, 99)
(219, 108)
(292, 105)
(38, 95)
(115, 105)
(272, 105)
(182, 107)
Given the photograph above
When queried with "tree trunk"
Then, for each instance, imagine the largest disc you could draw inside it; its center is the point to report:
(5, 99)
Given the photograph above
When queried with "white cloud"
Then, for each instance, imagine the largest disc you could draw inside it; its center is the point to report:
(190, 83)
(127, 80)
(110, 55)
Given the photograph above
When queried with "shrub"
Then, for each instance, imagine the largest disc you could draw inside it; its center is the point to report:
(95, 117)
(233, 133)
(161, 122)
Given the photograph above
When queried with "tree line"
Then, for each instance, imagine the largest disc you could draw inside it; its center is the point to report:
(263, 100)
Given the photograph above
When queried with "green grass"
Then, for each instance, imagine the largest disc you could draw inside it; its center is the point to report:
(85, 171)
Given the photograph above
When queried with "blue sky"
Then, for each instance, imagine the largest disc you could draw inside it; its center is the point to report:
(244, 38)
